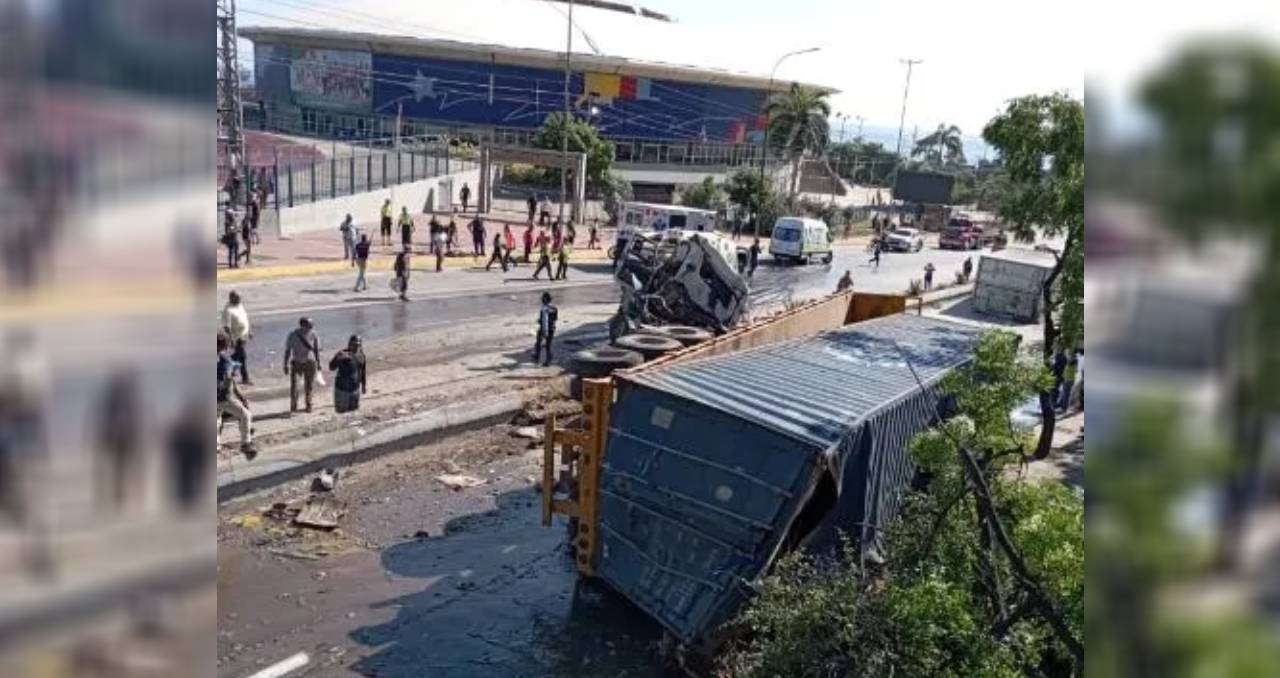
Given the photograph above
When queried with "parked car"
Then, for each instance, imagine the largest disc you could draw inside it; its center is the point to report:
(904, 240)
(801, 240)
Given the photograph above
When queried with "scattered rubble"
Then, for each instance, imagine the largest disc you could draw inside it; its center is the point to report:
(457, 482)
(321, 512)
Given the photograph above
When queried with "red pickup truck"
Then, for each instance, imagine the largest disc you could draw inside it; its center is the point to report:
(963, 233)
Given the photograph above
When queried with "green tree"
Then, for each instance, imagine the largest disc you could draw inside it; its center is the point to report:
(615, 193)
(944, 147)
(583, 138)
(798, 125)
(706, 195)
(1040, 140)
(748, 190)
(865, 163)
(984, 572)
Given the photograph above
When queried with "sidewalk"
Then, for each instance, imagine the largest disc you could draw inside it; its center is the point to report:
(320, 252)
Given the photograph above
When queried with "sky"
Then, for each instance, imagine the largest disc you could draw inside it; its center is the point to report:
(975, 55)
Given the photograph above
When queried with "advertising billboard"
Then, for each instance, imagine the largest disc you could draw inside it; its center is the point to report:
(331, 78)
(929, 188)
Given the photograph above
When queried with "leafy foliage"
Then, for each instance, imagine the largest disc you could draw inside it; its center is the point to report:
(1041, 144)
(947, 602)
(614, 194)
(583, 138)
(798, 125)
(706, 195)
(944, 147)
(866, 163)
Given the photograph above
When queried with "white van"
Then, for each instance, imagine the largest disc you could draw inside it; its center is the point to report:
(800, 239)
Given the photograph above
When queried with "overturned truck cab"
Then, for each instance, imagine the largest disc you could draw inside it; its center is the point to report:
(698, 472)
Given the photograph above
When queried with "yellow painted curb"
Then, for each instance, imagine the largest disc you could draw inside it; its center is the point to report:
(421, 262)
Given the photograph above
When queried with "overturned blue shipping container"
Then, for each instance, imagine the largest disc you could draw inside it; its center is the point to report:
(716, 466)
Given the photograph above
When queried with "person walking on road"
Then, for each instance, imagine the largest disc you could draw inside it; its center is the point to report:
(544, 212)
(348, 230)
(753, 258)
(593, 237)
(231, 401)
(246, 238)
(528, 242)
(385, 222)
(349, 383)
(562, 261)
(498, 255)
(876, 247)
(547, 316)
(571, 234)
(362, 261)
(406, 228)
(928, 276)
(845, 282)
(301, 361)
(235, 325)
(465, 195)
(509, 244)
(477, 236)
(451, 235)
(401, 268)
(532, 205)
(968, 268)
(544, 256)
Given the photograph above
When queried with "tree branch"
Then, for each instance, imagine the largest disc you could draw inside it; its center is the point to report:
(1048, 609)
(939, 519)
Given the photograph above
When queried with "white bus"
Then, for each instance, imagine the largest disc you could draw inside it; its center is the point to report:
(651, 217)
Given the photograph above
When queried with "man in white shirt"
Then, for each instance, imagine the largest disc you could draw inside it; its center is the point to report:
(235, 324)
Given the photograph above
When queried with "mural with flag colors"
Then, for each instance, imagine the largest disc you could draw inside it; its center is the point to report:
(451, 91)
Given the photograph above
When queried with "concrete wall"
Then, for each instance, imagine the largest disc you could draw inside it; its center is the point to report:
(328, 214)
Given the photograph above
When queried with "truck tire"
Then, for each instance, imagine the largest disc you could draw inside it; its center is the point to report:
(648, 345)
(602, 361)
(684, 334)
(827, 259)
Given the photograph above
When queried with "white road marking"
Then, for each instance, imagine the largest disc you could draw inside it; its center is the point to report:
(284, 667)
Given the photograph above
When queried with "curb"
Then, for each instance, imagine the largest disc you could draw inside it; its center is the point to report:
(381, 263)
(410, 432)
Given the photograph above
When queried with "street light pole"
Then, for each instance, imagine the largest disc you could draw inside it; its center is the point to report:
(905, 90)
(764, 149)
(564, 131)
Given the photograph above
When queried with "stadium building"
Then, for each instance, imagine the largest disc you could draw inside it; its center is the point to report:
(352, 75)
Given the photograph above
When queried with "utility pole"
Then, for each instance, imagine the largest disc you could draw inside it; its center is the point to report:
(905, 90)
(860, 120)
(564, 131)
(229, 111)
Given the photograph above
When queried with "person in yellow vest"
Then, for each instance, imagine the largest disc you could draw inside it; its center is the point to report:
(562, 265)
(406, 228)
(386, 222)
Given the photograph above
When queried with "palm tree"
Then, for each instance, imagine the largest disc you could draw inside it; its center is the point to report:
(798, 125)
(944, 146)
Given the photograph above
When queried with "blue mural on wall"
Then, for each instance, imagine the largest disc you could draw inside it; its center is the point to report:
(478, 93)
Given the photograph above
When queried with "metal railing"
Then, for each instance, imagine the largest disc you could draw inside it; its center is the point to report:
(333, 177)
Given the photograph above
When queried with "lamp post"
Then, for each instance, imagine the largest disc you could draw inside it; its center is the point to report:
(764, 149)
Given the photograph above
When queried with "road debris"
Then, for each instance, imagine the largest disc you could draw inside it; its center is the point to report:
(457, 482)
(529, 432)
(325, 480)
(321, 512)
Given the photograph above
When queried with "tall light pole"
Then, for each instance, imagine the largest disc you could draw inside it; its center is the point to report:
(764, 149)
(905, 90)
(860, 121)
(564, 131)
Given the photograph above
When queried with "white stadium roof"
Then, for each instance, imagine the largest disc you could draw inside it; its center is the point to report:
(520, 32)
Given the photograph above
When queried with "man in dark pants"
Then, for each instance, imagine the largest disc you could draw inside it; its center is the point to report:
(544, 256)
(477, 236)
(547, 316)
(532, 205)
(402, 273)
(301, 359)
(497, 254)
(465, 195)
(385, 223)
(753, 258)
